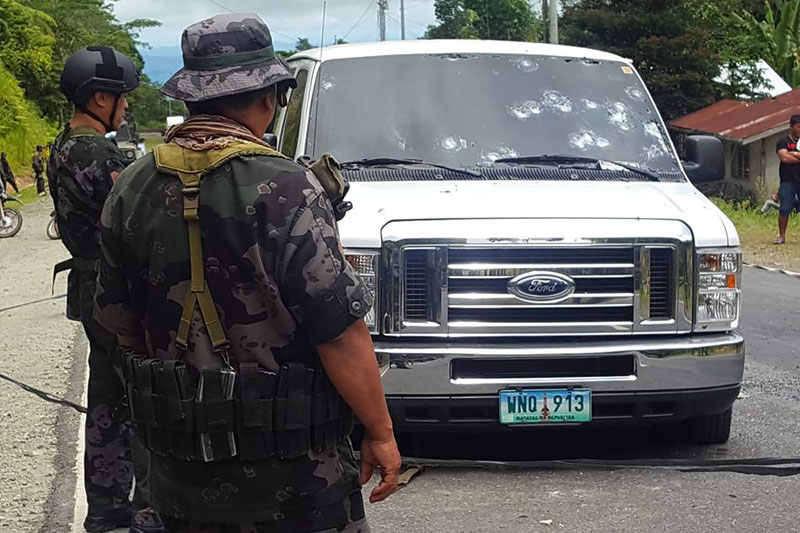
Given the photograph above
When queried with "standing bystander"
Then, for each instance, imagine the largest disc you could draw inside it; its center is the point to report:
(37, 163)
(790, 176)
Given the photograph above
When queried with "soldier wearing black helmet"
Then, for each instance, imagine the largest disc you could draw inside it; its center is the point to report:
(82, 167)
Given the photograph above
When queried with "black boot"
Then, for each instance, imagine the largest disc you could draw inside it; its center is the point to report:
(108, 521)
(146, 521)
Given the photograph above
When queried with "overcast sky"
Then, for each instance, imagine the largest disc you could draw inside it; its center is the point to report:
(355, 20)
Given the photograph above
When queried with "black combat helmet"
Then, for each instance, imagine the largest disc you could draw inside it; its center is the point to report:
(98, 68)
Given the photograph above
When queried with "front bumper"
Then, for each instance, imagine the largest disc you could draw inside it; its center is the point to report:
(651, 379)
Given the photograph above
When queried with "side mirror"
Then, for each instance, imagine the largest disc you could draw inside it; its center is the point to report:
(271, 139)
(705, 160)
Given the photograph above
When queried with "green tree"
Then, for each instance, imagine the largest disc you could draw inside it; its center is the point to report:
(662, 38)
(80, 23)
(21, 126)
(779, 35)
(508, 20)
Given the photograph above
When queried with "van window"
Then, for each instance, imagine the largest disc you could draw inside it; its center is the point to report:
(468, 110)
(294, 111)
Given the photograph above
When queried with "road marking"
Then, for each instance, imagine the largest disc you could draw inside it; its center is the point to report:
(80, 489)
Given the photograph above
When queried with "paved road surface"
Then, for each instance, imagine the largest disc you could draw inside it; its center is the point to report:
(766, 423)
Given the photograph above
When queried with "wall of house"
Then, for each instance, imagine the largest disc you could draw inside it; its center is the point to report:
(764, 166)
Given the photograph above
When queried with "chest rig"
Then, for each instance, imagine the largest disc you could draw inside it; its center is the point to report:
(232, 409)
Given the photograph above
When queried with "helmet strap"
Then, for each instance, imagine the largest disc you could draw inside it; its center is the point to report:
(108, 125)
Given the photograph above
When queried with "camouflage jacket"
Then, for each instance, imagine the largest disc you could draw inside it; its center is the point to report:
(279, 278)
(37, 162)
(81, 170)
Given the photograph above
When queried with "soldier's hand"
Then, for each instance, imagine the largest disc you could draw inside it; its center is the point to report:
(381, 453)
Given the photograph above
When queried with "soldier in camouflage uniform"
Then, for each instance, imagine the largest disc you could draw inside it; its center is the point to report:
(255, 236)
(82, 167)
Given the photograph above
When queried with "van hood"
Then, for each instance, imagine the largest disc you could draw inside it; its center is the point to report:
(377, 203)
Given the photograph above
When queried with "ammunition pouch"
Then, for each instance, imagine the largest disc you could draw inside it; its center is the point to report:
(329, 173)
(285, 414)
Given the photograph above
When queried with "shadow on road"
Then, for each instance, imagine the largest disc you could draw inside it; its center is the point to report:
(547, 444)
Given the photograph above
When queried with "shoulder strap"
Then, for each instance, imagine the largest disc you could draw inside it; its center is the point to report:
(190, 166)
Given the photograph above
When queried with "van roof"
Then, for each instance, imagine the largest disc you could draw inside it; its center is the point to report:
(422, 46)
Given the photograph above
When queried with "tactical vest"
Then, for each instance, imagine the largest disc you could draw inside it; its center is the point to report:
(240, 410)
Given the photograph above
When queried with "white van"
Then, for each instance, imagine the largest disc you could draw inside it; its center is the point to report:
(538, 252)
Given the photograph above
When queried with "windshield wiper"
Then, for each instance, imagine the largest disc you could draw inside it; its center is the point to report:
(559, 160)
(391, 161)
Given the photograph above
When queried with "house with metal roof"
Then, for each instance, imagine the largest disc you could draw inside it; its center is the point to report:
(749, 132)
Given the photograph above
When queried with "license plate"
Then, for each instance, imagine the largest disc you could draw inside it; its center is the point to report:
(545, 406)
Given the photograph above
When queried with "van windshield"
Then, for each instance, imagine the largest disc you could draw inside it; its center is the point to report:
(468, 110)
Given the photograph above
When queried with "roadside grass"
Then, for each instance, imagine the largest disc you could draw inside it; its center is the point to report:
(27, 195)
(757, 233)
(152, 142)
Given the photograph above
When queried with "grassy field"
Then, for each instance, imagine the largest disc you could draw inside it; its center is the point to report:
(152, 142)
(757, 233)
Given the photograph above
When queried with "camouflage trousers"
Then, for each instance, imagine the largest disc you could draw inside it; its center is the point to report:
(109, 458)
(172, 525)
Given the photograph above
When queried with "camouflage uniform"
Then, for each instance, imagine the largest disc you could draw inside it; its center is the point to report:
(80, 171)
(37, 164)
(277, 273)
(276, 270)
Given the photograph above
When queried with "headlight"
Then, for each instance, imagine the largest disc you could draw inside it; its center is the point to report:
(366, 264)
(719, 274)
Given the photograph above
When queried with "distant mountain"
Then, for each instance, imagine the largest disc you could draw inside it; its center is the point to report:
(162, 62)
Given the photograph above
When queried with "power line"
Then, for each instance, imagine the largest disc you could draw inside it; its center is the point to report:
(229, 10)
(370, 5)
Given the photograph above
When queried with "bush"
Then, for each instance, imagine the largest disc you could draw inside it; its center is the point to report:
(21, 126)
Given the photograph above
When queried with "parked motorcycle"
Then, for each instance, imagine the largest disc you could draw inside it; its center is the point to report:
(10, 218)
(52, 227)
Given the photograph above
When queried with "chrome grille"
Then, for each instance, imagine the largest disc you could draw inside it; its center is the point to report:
(416, 293)
(478, 296)
(661, 282)
(461, 269)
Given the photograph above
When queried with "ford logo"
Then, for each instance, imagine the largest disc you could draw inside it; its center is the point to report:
(542, 287)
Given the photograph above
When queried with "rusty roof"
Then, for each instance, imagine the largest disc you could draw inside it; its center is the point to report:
(742, 121)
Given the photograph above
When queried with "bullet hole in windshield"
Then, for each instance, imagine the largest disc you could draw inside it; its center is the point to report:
(586, 139)
(589, 104)
(635, 93)
(327, 84)
(500, 153)
(652, 129)
(524, 110)
(454, 144)
(526, 64)
(556, 101)
(618, 115)
(654, 151)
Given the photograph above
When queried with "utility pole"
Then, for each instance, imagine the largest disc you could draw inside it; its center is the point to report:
(403, 19)
(553, 19)
(545, 14)
(383, 5)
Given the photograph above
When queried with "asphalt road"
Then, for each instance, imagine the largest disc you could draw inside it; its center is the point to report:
(766, 424)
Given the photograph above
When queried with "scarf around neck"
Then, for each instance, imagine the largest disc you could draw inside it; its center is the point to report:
(209, 132)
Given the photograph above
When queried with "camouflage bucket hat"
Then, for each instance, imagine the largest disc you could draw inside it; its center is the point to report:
(224, 55)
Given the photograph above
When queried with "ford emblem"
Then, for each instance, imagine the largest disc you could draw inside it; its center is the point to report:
(545, 287)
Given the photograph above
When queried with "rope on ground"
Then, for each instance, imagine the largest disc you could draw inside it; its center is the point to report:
(58, 296)
(760, 466)
(44, 395)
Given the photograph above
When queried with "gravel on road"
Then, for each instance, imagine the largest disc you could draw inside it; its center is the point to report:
(36, 347)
